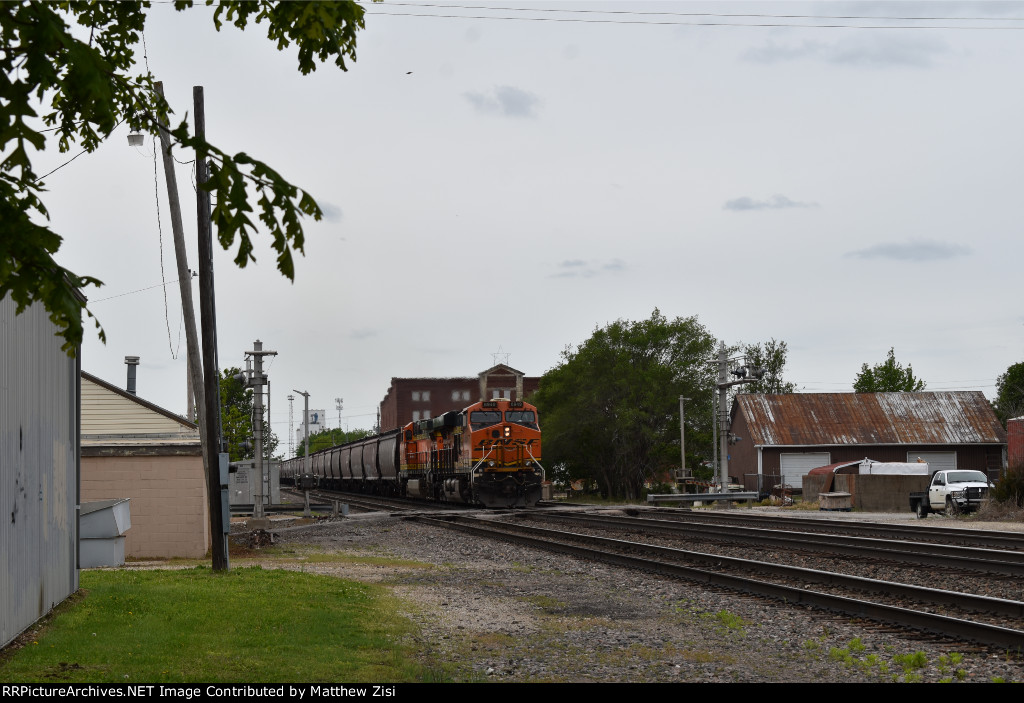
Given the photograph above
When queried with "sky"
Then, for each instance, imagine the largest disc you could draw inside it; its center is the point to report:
(498, 184)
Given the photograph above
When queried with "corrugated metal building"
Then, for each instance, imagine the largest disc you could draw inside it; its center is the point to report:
(39, 463)
(788, 435)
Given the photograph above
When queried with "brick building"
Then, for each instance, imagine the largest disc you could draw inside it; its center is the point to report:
(134, 449)
(1015, 442)
(410, 399)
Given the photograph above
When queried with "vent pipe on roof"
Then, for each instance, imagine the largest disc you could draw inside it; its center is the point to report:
(132, 362)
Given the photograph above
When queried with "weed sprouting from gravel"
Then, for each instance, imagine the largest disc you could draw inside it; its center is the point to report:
(728, 622)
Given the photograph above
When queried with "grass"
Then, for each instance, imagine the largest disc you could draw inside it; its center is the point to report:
(248, 625)
(909, 667)
(727, 622)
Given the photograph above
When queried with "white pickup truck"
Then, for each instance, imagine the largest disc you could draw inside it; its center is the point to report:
(951, 492)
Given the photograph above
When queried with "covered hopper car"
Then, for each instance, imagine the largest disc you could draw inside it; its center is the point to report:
(487, 454)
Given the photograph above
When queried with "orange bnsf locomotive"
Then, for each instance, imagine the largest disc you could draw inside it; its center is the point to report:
(488, 454)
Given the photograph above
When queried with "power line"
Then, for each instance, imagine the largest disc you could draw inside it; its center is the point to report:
(687, 23)
(132, 292)
(697, 14)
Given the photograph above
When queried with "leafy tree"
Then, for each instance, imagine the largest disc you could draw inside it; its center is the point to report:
(770, 356)
(75, 63)
(1010, 393)
(329, 438)
(610, 409)
(887, 377)
(236, 409)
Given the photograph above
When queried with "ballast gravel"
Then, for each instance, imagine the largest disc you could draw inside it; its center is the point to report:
(494, 611)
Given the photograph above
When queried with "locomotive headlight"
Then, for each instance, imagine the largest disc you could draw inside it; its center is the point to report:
(508, 431)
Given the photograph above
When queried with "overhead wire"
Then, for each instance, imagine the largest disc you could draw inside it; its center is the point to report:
(133, 292)
(707, 22)
(692, 14)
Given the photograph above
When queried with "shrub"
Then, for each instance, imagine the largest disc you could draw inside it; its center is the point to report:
(1010, 487)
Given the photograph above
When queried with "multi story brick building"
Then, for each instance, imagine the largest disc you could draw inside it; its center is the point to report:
(410, 399)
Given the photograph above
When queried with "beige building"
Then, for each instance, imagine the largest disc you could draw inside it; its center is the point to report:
(134, 449)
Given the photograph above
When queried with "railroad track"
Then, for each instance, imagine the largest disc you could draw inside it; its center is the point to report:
(1010, 541)
(784, 583)
(896, 549)
(389, 504)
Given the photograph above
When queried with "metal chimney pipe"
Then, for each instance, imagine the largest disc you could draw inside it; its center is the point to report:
(132, 362)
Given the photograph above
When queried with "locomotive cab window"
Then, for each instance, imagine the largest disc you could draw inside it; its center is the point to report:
(526, 418)
(480, 419)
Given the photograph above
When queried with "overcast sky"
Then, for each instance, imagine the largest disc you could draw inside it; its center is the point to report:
(508, 184)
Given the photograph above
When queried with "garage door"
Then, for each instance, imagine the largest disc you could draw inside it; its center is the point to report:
(796, 466)
(937, 461)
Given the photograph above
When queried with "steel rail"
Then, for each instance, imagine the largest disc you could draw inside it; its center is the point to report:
(364, 502)
(551, 540)
(963, 536)
(923, 553)
(999, 606)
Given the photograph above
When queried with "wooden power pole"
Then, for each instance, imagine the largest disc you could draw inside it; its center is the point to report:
(217, 479)
(192, 342)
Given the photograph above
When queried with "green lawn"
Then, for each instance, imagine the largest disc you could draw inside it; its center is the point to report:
(249, 625)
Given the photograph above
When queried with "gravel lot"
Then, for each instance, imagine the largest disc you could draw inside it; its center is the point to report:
(499, 612)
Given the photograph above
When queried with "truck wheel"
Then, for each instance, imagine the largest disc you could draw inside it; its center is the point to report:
(951, 507)
(922, 510)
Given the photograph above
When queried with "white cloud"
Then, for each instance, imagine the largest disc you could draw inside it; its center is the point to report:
(911, 251)
(776, 202)
(505, 100)
(878, 50)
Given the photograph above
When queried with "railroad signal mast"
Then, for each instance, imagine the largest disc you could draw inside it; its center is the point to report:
(744, 374)
(255, 378)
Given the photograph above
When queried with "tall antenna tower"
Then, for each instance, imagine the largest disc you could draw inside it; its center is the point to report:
(291, 428)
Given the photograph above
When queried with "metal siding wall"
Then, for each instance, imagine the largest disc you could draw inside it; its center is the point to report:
(38, 469)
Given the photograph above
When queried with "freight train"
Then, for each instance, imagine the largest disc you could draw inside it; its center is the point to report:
(487, 454)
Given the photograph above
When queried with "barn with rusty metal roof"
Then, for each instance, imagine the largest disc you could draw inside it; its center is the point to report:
(787, 435)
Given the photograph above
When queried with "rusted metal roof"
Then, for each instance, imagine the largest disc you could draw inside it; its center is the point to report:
(830, 419)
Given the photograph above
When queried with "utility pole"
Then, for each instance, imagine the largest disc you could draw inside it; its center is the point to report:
(195, 367)
(190, 401)
(339, 403)
(723, 421)
(682, 439)
(216, 478)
